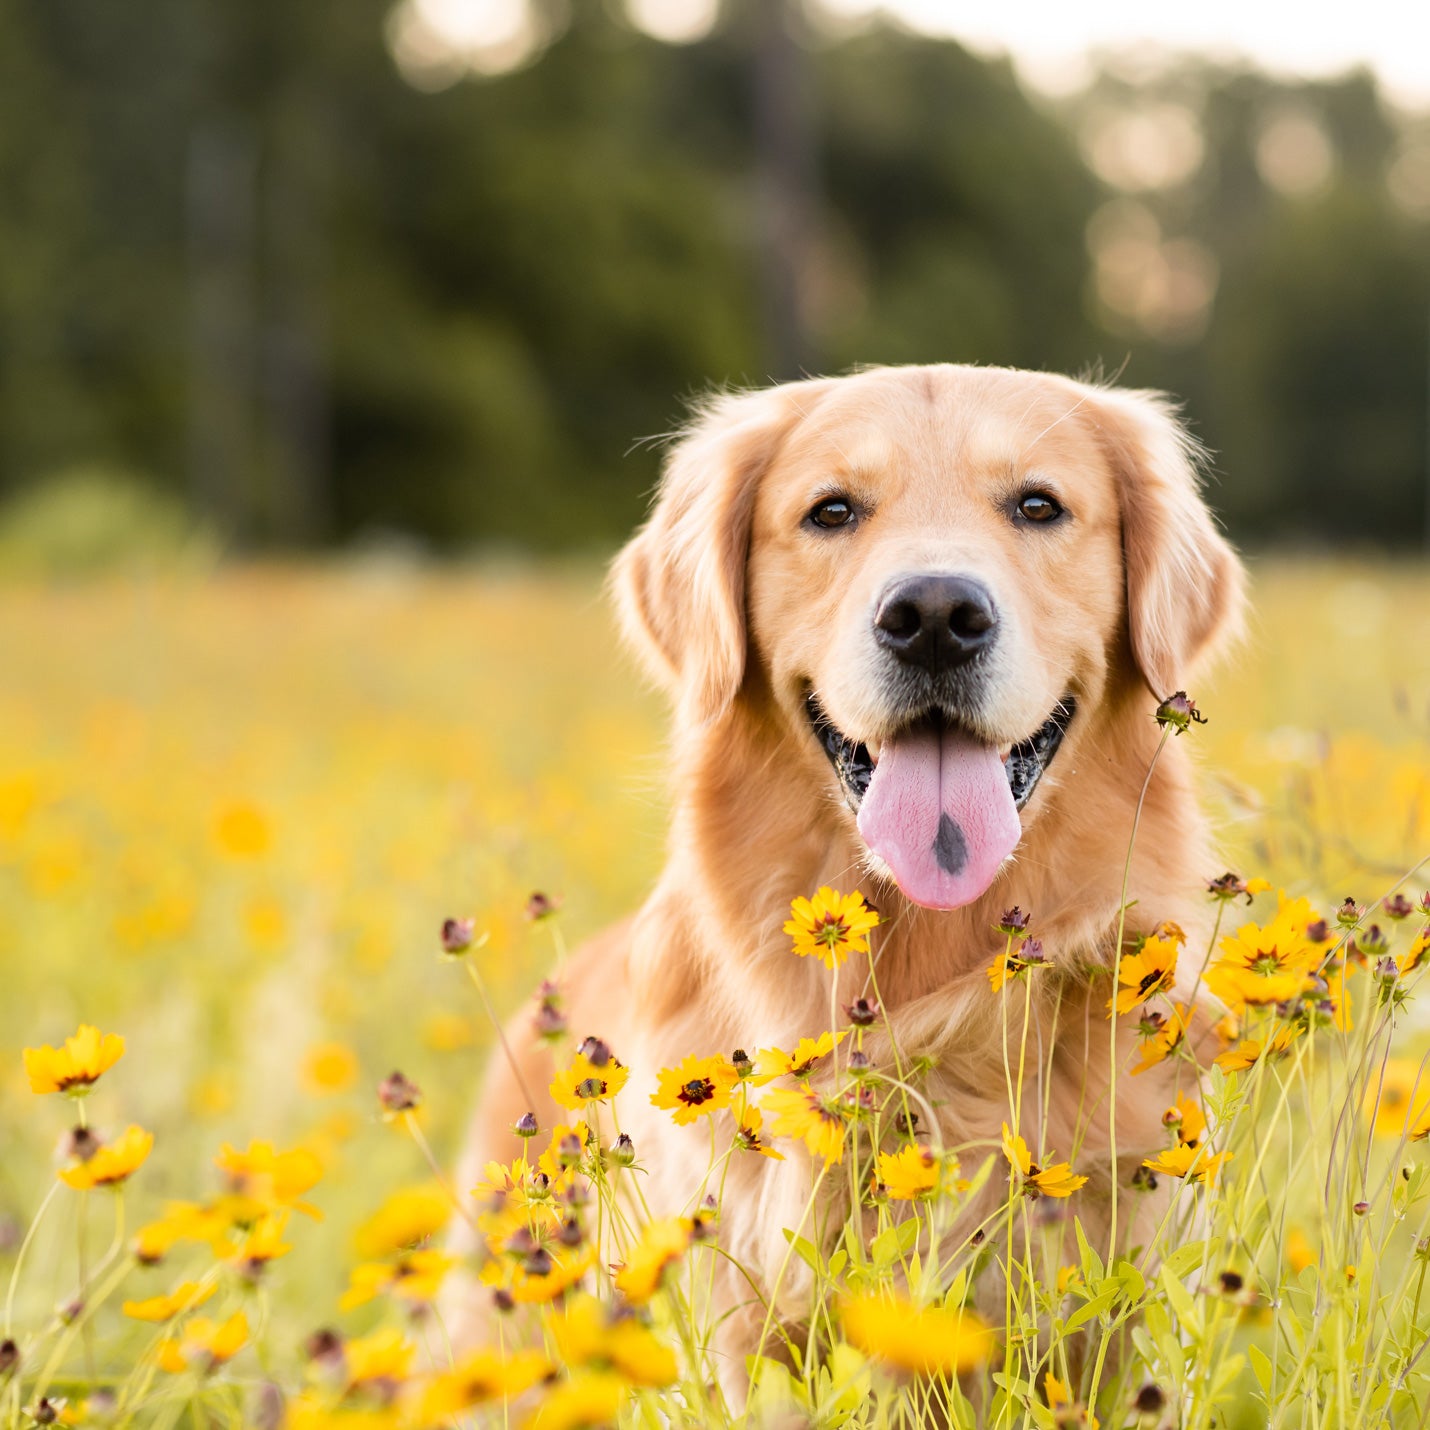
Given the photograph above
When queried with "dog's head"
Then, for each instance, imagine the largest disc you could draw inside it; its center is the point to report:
(939, 576)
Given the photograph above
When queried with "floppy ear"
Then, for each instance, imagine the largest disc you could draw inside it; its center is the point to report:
(679, 584)
(1186, 587)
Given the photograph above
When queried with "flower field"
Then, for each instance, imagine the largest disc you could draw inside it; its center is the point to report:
(236, 811)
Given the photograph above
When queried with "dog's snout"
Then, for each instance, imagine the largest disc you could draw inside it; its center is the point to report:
(934, 621)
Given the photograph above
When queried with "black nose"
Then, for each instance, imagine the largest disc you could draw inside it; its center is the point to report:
(936, 622)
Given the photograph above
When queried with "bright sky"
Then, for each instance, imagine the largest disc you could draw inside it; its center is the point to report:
(1048, 38)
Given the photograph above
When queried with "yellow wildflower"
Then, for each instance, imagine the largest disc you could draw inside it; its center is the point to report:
(566, 1267)
(586, 1336)
(909, 1174)
(76, 1065)
(1184, 1160)
(1191, 1122)
(697, 1086)
(415, 1278)
(113, 1163)
(262, 1243)
(1299, 1251)
(184, 1297)
(1160, 1036)
(594, 1398)
(1403, 1101)
(1058, 1180)
(242, 831)
(771, 1063)
(1068, 1277)
(1010, 962)
(329, 1067)
(1247, 1053)
(1415, 954)
(926, 1341)
(801, 1112)
(663, 1242)
(385, 1356)
(750, 1135)
(1067, 1409)
(204, 1345)
(586, 1080)
(480, 1376)
(1145, 973)
(182, 1221)
(409, 1217)
(831, 926)
(261, 1179)
(1261, 965)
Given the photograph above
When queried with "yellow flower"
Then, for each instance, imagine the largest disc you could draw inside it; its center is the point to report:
(184, 1297)
(662, 1243)
(1250, 1051)
(928, 1341)
(1403, 1102)
(1415, 955)
(586, 1336)
(1058, 1180)
(586, 1081)
(1068, 1276)
(1145, 973)
(1260, 965)
(383, 1356)
(115, 1162)
(1160, 1035)
(261, 1179)
(592, 1399)
(182, 1221)
(1012, 962)
(75, 1066)
(1299, 1251)
(329, 1067)
(479, 1377)
(1184, 1160)
(801, 1112)
(262, 1244)
(242, 831)
(416, 1278)
(406, 1219)
(911, 1173)
(566, 1268)
(831, 926)
(695, 1087)
(204, 1345)
(1067, 1410)
(771, 1063)
(1191, 1122)
(750, 1136)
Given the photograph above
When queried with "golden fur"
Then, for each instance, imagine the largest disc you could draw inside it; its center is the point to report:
(737, 612)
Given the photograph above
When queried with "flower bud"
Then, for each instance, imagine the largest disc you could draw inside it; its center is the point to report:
(1232, 1282)
(324, 1348)
(398, 1093)
(1014, 921)
(1361, 1208)
(741, 1061)
(862, 1012)
(1398, 907)
(570, 1233)
(597, 1053)
(457, 935)
(503, 1300)
(45, 1413)
(9, 1356)
(1348, 915)
(541, 906)
(623, 1151)
(527, 1125)
(1179, 713)
(1150, 1400)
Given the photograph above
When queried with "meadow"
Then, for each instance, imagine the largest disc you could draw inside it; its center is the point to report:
(236, 809)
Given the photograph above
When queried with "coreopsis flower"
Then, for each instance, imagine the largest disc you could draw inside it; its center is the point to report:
(801, 1112)
(1415, 954)
(550, 1272)
(1159, 1036)
(262, 1243)
(1187, 1160)
(1067, 1409)
(204, 1345)
(1012, 922)
(76, 1065)
(924, 1341)
(1010, 963)
(1231, 886)
(329, 1067)
(184, 1297)
(771, 1063)
(478, 1378)
(915, 1173)
(831, 926)
(261, 1179)
(591, 1398)
(1261, 965)
(1188, 1120)
(1068, 1277)
(1178, 713)
(408, 1218)
(662, 1243)
(1056, 1180)
(382, 1360)
(415, 1278)
(1349, 913)
(696, 1087)
(1250, 1051)
(1299, 1251)
(1147, 972)
(112, 1163)
(586, 1335)
(589, 1079)
(183, 1221)
(749, 1136)
(1398, 1099)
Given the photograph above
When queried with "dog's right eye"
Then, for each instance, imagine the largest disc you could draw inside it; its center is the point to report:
(832, 512)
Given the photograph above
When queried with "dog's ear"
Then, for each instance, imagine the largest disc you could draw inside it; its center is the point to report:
(679, 584)
(1186, 588)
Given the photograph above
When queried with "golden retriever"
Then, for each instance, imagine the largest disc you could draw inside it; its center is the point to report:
(914, 624)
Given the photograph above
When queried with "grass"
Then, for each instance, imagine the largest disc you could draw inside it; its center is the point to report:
(234, 812)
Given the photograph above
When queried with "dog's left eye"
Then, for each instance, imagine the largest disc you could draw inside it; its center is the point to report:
(1039, 506)
(832, 512)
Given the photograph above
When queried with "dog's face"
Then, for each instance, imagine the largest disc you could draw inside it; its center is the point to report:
(937, 575)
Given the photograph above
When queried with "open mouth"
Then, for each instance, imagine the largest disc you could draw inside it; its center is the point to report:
(937, 805)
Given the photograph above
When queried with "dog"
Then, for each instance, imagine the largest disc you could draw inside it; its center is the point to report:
(914, 624)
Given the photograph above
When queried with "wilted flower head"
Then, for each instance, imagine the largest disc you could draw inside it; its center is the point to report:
(1230, 886)
(1179, 713)
(1013, 921)
(862, 1012)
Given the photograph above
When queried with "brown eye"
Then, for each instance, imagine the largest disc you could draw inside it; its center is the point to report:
(1039, 506)
(832, 512)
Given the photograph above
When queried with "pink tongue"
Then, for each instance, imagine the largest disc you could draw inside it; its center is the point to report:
(939, 812)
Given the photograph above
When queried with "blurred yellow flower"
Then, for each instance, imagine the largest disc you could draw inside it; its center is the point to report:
(1160, 1035)
(771, 1063)
(76, 1065)
(262, 1243)
(385, 1356)
(831, 926)
(697, 1086)
(1145, 973)
(261, 1179)
(416, 1278)
(928, 1341)
(1067, 1409)
(477, 1378)
(266, 923)
(909, 1174)
(1299, 1251)
(204, 1345)
(182, 1221)
(592, 1399)
(329, 1067)
(801, 1112)
(113, 1163)
(409, 1217)
(566, 1267)
(1264, 964)
(586, 1081)
(242, 831)
(1184, 1160)
(749, 1136)
(586, 1335)
(447, 1032)
(1247, 1053)
(1397, 1099)
(184, 1297)
(661, 1243)
(1058, 1180)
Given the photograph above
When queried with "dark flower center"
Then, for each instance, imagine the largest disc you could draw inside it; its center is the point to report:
(698, 1090)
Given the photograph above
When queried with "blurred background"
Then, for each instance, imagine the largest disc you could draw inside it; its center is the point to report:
(423, 271)
(328, 335)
